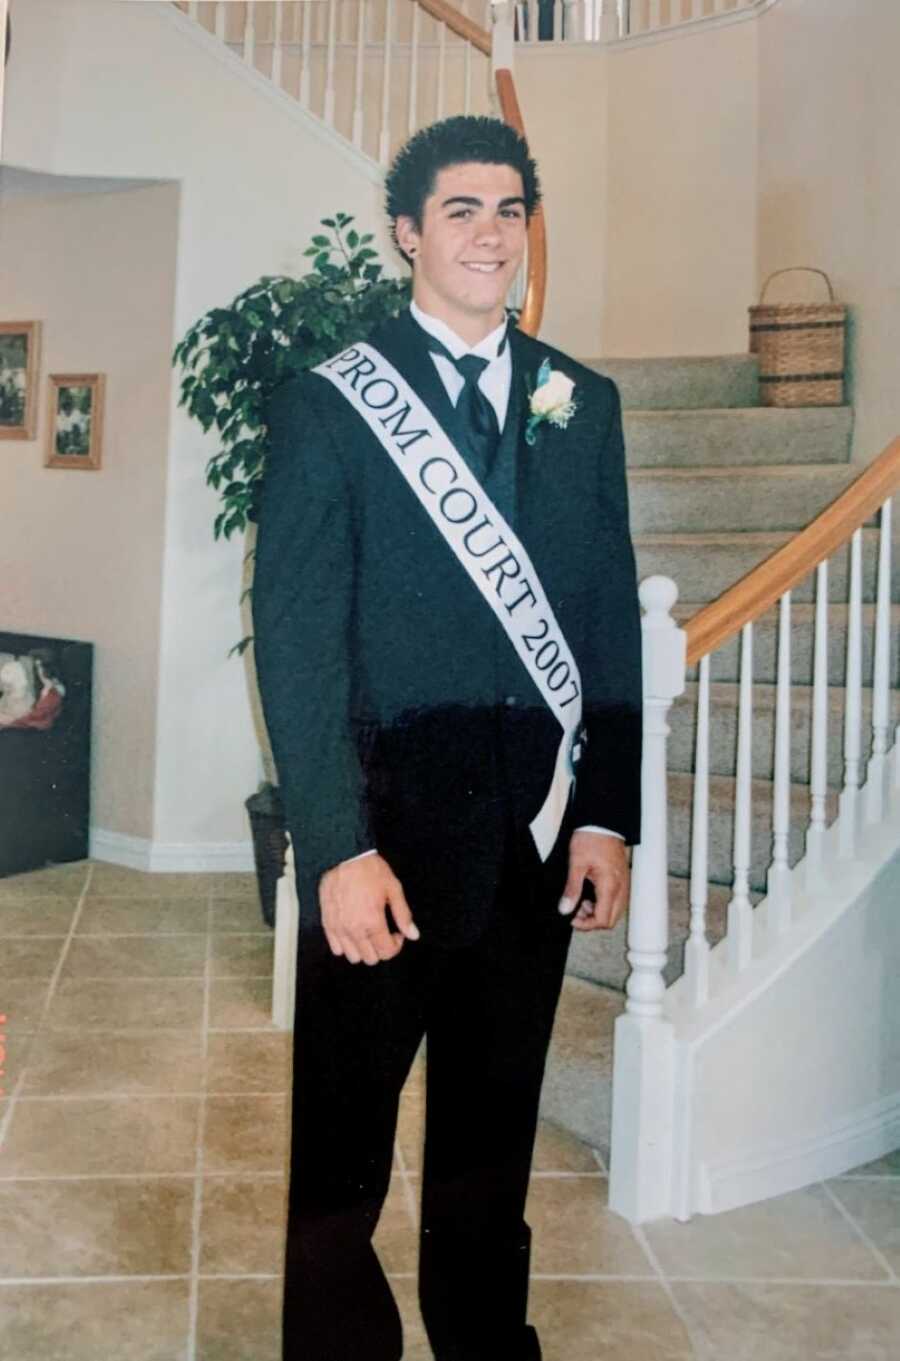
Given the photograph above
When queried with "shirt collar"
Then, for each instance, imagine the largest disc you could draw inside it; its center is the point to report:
(485, 349)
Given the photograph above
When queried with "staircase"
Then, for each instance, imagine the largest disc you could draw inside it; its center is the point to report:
(716, 484)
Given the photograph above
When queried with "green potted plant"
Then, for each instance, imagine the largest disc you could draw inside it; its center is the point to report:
(232, 360)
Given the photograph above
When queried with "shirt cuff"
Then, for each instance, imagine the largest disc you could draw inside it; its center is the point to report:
(604, 831)
(351, 858)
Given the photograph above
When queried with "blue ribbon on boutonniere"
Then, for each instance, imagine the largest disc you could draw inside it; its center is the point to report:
(551, 400)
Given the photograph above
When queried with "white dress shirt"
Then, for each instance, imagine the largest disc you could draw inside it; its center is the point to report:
(495, 382)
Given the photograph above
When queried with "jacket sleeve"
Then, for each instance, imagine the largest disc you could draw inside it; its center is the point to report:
(608, 783)
(303, 591)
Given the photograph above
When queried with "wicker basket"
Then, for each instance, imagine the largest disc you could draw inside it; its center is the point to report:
(800, 348)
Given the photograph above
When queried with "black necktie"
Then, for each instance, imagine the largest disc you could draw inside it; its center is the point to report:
(474, 411)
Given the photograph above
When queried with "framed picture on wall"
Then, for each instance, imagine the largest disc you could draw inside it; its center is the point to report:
(20, 355)
(75, 431)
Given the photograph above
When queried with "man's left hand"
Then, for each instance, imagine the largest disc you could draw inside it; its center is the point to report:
(603, 861)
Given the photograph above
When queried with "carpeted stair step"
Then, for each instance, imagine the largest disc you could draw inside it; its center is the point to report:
(721, 826)
(724, 662)
(730, 380)
(704, 565)
(577, 1091)
(771, 496)
(723, 730)
(739, 437)
(599, 956)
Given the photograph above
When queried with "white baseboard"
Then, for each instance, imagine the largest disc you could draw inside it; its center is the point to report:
(850, 1142)
(161, 857)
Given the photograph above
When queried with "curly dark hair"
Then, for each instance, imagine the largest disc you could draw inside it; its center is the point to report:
(454, 141)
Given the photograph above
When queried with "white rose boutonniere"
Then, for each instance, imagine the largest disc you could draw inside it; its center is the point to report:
(550, 401)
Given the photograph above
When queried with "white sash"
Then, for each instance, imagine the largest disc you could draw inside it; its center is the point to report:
(483, 543)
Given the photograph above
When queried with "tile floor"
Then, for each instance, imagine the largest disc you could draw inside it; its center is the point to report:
(143, 1141)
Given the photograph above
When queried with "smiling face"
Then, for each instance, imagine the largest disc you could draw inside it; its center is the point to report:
(470, 245)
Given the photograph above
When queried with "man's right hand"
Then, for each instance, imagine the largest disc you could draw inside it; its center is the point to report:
(353, 896)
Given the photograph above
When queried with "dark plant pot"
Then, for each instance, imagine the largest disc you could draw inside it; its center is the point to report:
(269, 832)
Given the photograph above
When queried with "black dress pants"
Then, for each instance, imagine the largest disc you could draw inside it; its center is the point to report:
(486, 1010)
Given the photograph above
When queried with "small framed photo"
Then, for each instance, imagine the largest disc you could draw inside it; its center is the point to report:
(75, 433)
(20, 354)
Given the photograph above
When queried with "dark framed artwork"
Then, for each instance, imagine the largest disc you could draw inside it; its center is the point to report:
(20, 357)
(45, 751)
(75, 429)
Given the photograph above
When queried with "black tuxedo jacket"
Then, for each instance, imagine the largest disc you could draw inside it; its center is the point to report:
(399, 713)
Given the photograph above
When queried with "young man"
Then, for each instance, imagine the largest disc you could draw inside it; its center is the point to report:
(447, 629)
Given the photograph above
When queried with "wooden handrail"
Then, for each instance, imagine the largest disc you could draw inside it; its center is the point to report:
(756, 592)
(536, 283)
(458, 23)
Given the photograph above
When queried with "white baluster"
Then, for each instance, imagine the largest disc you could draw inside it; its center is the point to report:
(193, 9)
(284, 964)
(306, 40)
(533, 16)
(384, 137)
(328, 111)
(558, 21)
(249, 33)
(740, 908)
(818, 777)
(696, 951)
(643, 1069)
(778, 880)
(277, 45)
(441, 74)
(654, 16)
(610, 21)
(220, 25)
(357, 133)
(876, 771)
(625, 20)
(413, 70)
(4, 13)
(467, 83)
(648, 926)
(848, 807)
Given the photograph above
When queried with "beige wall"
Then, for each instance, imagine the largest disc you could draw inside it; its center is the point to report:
(81, 552)
(142, 97)
(829, 191)
(649, 158)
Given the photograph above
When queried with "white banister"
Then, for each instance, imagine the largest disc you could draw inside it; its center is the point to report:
(740, 908)
(220, 26)
(881, 680)
(643, 1070)
(287, 926)
(357, 131)
(306, 42)
(328, 110)
(818, 778)
(848, 806)
(778, 882)
(611, 20)
(696, 950)
(249, 34)
(654, 15)
(277, 36)
(442, 70)
(648, 924)
(4, 14)
(384, 136)
(413, 71)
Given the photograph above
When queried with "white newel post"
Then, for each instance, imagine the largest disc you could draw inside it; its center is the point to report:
(643, 1068)
(284, 969)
